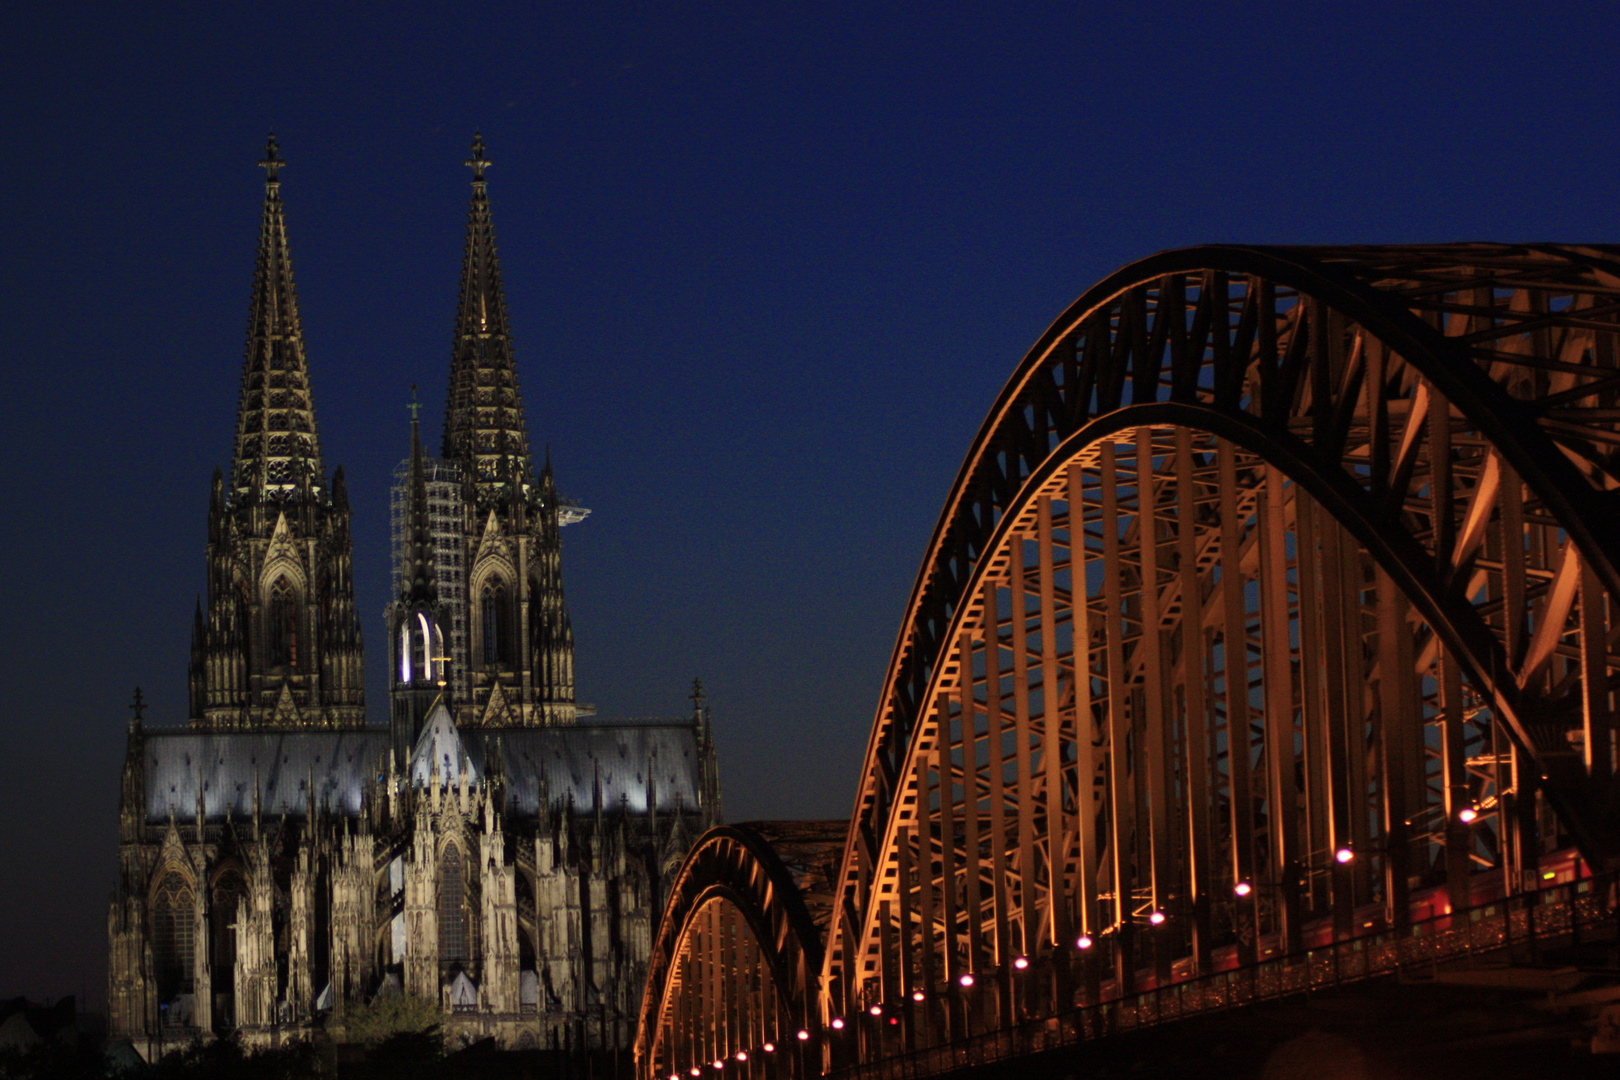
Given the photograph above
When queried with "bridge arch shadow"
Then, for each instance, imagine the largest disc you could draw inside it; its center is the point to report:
(1270, 624)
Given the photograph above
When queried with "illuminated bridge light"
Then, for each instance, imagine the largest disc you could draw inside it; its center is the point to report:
(1021, 963)
(1467, 815)
(917, 995)
(1344, 855)
(804, 1035)
(742, 1055)
(696, 1071)
(1243, 888)
(876, 1010)
(719, 1063)
(966, 979)
(769, 1048)
(1083, 942)
(1156, 918)
(838, 1023)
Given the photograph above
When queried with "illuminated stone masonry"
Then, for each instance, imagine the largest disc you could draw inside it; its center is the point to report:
(281, 864)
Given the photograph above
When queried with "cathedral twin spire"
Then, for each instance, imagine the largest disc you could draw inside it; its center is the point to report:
(483, 418)
(277, 450)
(277, 643)
(497, 603)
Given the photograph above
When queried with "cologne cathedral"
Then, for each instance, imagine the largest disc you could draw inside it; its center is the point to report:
(491, 851)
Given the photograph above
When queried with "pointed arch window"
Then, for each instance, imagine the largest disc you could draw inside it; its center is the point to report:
(282, 625)
(174, 914)
(453, 943)
(421, 649)
(495, 614)
(431, 665)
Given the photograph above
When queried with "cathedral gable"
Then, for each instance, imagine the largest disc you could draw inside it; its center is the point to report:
(282, 557)
(494, 551)
(173, 856)
(498, 713)
(287, 713)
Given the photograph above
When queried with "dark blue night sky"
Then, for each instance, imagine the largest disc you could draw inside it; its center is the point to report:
(767, 266)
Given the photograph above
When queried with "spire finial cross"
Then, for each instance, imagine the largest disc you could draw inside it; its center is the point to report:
(478, 162)
(138, 705)
(415, 406)
(271, 162)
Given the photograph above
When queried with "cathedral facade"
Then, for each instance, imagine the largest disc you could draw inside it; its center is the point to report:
(491, 852)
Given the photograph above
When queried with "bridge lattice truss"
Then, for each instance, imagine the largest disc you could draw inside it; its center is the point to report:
(1279, 585)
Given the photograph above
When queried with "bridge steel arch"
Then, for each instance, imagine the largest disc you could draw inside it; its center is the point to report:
(1288, 572)
(734, 966)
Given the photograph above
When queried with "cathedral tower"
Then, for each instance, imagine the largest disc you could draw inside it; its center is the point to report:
(417, 618)
(518, 653)
(278, 644)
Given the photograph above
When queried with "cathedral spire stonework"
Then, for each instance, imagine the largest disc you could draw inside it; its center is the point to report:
(278, 644)
(552, 634)
(483, 416)
(416, 618)
(277, 451)
(519, 649)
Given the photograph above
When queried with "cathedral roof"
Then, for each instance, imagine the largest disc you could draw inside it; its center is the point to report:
(588, 765)
(439, 751)
(226, 767)
(576, 759)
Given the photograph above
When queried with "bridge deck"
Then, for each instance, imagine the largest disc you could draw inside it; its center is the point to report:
(1520, 929)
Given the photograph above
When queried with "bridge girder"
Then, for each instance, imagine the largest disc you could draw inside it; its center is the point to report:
(1278, 583)
(737, 955)
(1344, 451)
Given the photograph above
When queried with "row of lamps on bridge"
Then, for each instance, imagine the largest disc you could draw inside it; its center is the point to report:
(1344, 854)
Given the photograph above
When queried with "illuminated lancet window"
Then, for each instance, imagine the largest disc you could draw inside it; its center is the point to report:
(282, 624)
(452, 908)
(174, 913)
(497, 625)
(421, 650)
(405, 651)
(431, 666)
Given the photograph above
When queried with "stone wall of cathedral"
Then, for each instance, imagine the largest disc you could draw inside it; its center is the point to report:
(531, 929)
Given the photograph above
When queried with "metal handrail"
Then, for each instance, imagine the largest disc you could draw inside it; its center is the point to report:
(1551, 912)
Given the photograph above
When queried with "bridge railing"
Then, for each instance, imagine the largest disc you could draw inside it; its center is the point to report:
(1525, 920)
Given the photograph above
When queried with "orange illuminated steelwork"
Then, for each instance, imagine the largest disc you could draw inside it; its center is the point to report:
(1262, 556)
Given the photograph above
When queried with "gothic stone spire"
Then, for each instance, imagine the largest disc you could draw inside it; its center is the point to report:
(483, 418)
(417, 617)
(277, 451)
(278, 644)
(420, 586)
(552, 631)
(520, 643)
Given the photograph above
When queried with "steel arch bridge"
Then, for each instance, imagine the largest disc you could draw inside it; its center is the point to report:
(1274, 606)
